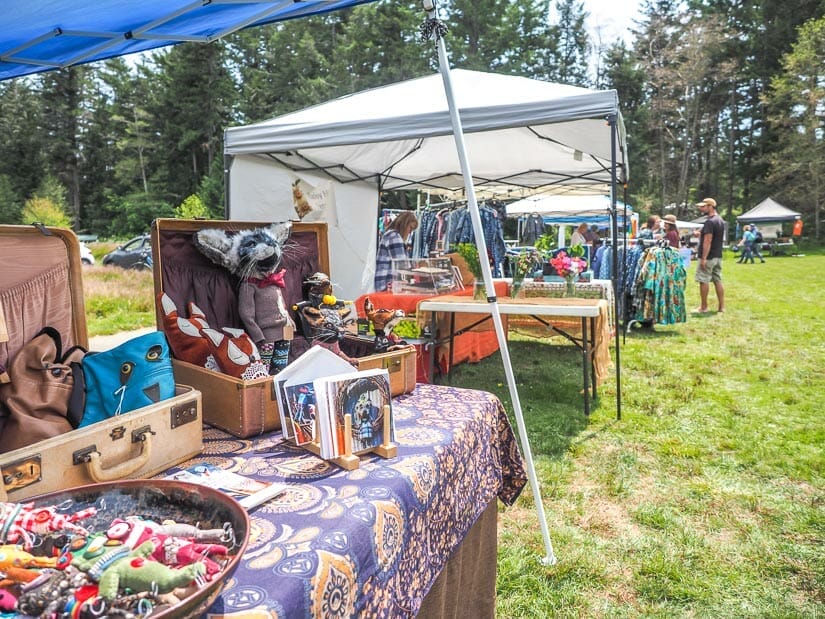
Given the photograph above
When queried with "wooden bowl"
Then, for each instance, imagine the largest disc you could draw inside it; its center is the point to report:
(158, 500)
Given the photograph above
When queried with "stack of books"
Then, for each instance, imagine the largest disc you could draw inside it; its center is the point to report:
(318, 389)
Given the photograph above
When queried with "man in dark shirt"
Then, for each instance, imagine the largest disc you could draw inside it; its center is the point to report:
(710, 256)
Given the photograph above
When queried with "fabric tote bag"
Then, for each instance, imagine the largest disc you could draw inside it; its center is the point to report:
(132, 375)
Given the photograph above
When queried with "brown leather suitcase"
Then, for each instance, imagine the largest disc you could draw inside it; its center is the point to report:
(246, 408)
(41, 285)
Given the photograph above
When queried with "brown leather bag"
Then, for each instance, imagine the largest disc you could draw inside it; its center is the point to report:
(36, 399)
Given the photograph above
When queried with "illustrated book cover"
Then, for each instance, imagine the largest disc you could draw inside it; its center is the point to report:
(247, 491)
(363, 395)
(314, 363)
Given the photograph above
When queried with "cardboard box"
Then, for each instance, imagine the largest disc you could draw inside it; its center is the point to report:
(41, 285)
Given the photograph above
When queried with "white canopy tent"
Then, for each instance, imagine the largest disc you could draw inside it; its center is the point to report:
(522, 136)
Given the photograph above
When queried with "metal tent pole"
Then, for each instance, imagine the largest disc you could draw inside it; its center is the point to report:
(613, 135)
(458, 132)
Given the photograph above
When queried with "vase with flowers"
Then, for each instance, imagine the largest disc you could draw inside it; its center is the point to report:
(569, 267)
(469, 252)
(526, 263)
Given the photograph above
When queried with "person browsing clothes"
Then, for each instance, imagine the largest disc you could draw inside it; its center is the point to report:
(579, 235)
(709, 268)
(392, 247)
(671, 232)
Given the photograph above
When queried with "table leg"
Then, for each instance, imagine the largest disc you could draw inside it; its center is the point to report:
(592, 351)
(432, 343)
(452, 337)
(586, 365)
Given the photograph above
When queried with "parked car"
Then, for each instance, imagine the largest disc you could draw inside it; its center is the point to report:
(135, 254)
(86, 256)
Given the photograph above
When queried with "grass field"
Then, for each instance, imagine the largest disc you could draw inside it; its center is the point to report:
(706, 500)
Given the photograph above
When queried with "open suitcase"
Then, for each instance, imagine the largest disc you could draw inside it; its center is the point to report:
(40, 285)
(245, 408)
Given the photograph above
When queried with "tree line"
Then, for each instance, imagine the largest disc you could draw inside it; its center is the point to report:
(719, 98)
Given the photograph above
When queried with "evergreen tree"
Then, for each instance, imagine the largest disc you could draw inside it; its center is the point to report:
(23, 146)
(10, 203)
(795, 102)
(191, 105)
(573, 49)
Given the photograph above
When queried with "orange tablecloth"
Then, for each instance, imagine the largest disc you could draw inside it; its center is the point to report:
(472, 346)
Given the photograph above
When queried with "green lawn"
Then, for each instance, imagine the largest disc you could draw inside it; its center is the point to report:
(707, 499)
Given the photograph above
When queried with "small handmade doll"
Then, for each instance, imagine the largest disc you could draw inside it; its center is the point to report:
(254, 256)
(324, 319)
(383, 322)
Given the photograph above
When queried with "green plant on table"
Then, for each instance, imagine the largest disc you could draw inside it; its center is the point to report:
(469, 252)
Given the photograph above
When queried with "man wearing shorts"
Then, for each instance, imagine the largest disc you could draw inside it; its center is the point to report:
(710, 256)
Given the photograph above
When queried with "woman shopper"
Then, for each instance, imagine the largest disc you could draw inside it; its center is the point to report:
(393, 247)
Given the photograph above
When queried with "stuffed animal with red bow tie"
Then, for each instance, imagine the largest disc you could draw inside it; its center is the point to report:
(19, 522)
(254, 256)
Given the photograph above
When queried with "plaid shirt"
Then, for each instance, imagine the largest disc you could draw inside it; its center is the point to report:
(391, 248)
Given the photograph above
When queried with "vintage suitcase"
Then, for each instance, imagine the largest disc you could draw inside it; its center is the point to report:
(399, 363)
(243, 408)
(40, 285)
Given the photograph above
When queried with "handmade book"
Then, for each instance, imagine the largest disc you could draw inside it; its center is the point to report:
(366, 397)
(314, 363)
(247, 491)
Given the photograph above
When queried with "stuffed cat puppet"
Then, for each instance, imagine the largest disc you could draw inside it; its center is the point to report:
(254, 256)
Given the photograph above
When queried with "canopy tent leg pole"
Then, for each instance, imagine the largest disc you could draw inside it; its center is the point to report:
(458, 132)
(614, 212)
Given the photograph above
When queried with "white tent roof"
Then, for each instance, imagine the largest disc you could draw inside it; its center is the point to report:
(768, 210)
(565, 206)
(521, 134)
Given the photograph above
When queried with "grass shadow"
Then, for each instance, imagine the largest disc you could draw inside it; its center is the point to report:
(549, 381)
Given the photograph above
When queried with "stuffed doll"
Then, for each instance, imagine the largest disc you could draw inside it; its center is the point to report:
(138, 572)
(324, 319)
(383, 322)
(254, 256)
(21, 522)
(229, 351)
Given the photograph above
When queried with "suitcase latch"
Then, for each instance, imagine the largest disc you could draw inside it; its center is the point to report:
(21, 473)
(184, 413)
(392, 365)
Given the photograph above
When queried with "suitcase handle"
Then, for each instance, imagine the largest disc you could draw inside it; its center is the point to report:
(97, 473)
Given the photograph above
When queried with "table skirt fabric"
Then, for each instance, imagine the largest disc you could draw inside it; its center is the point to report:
(369, 542)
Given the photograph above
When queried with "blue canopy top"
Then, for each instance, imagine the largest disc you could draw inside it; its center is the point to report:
(41, 35)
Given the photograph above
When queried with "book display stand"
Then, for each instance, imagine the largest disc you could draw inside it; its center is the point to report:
(350, 461)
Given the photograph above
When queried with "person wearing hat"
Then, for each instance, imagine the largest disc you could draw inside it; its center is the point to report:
(671, 232)
(710, 256)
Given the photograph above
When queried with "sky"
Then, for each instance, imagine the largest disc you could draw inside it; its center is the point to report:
(613, 18)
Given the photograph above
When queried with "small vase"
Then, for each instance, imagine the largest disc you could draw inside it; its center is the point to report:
(479, 291)
(570, 290)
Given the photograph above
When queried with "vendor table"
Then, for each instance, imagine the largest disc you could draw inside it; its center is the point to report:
(592, 340)
(373, 541)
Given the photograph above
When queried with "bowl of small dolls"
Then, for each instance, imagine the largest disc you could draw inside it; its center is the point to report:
(132, 548)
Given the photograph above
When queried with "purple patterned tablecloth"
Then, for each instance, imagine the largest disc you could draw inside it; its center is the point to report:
(369, 542)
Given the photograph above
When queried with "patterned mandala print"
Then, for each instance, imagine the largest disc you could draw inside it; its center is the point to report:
(218, 447)
(419, 436)
(333, 587)
(296, 498)
(420, 472)
(389, 532)
(260, 531)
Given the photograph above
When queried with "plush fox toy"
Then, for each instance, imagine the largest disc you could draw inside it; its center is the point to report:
(383, 322)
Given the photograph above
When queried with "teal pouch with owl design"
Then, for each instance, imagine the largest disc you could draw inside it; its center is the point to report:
(130, 376)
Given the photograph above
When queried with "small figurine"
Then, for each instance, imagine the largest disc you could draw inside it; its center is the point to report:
(383, 322)
(324, 318)
(255, 256)
(12, 556)
(138, 572)
(19, 522)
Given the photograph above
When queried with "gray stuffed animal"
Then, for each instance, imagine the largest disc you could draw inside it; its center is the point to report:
(254, 256)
